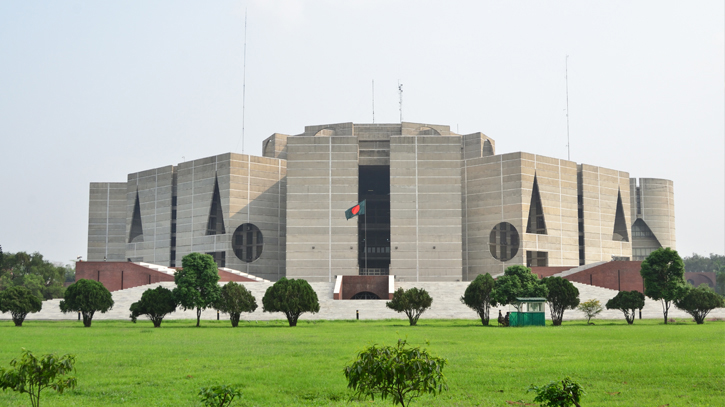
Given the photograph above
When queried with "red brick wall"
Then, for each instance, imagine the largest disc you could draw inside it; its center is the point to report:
(225, 276)
(701, 278)
(548, 271)
(352, 285)
(119, 275)
(615, 275)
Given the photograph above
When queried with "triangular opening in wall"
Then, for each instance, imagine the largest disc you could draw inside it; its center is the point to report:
(136, 235)
(620, 223)
(536, 223)
(215, 225)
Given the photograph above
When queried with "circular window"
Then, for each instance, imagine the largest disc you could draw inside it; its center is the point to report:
(247, 242)
(504, 241)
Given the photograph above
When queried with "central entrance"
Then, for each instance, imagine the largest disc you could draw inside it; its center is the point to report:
(374, 228)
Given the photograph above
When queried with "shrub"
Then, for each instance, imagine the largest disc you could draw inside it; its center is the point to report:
(478, 296)
(518, 281)
(31, 375)
(196, 283)
(412, 302)
(218, 396)
(663, 274)
(19, 301)
(155, 304)
(568, 393)
(590, 308)
(397, 372)
(292, 297)
(235, 299)
(628, 302)
(86, 297)
(562, 295)
(699, 301)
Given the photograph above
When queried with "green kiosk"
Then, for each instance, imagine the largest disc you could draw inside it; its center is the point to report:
(530, 312)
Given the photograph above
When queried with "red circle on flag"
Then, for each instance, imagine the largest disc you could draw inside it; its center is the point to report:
(355, 209)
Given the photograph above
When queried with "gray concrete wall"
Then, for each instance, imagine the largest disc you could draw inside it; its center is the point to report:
(600, 191)
(154, 188)
(425, 211)
(322, 182)
(107, 221)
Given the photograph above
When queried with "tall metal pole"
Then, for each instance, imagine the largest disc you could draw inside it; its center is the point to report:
(568, 151)
(400, 91)
(373, 101)
(244, 77)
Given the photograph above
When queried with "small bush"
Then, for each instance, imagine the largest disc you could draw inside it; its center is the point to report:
(397, 372)
(590, 308)
(412, 302)
(31, 375)
(478, 296)
(218, 396)
(559, 394)
(86, 297)
(628, 302)
(293, 297)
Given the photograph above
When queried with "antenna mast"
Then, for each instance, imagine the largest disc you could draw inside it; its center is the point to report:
(568, 151)
(373, 101)
(244, 77)
(400, 91)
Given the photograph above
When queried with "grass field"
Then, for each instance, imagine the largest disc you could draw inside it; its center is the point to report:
(120, 363)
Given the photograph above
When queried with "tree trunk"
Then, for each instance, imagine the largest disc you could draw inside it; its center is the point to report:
(87, 319)
(665, 309)
(157, 322)
(235, 320)
(18, 321)
(198, 316)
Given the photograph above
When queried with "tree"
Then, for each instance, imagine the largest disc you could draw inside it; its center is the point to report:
(293, 297)
(412, 302)
(699, 301)
(478, 296)
(235, 299)
(155, 304)
(663, 273)
(590, 308)
(628, 302)
(518, 282)
(19, 301)
(86, 297)
(43, 278)
(568, 393)
(31, 375)
(562, 295)
(219, 396)
(397, 372)
(196, 283)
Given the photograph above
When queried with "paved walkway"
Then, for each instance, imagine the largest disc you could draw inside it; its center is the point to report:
(446, 305)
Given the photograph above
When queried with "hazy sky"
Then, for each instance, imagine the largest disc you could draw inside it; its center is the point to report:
(92, 91)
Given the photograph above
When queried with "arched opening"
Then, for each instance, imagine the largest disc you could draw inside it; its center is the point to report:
(365, 295)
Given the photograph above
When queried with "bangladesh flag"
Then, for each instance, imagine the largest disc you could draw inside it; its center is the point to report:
(356, 210)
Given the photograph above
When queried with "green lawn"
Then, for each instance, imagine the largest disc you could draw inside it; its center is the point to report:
(120, 363)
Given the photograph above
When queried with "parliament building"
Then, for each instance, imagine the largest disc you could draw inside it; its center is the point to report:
(440, 206)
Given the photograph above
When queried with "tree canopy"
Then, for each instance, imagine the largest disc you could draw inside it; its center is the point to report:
(562, 295)
(478, 296)
(196, 283)
(663, 273)
(292, 297)
(155, 304)
(518, 281)
(699, 301)
(412, 302)
(235, 299)
(43, 278)
(19, 301)
(628, 302)
(86, 297)
(715, 263)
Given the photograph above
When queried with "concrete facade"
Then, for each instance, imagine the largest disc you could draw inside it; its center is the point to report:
(441, 207)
